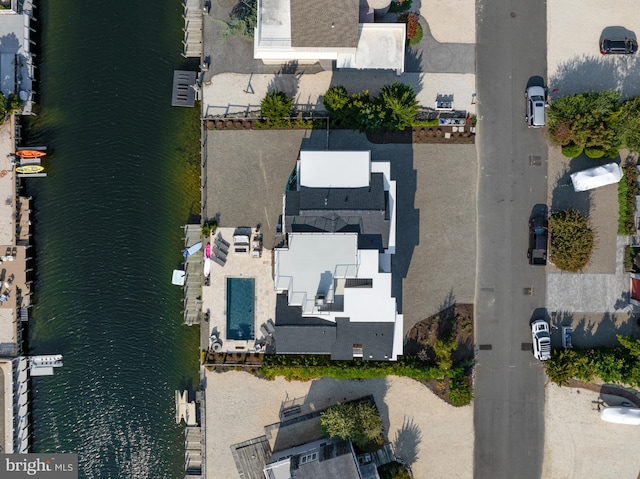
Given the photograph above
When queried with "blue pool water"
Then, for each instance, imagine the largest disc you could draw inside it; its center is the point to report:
(240, 308)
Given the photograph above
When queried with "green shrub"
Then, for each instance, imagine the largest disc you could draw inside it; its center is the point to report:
(627, 191)
(398, 6)
(398, 101)
(594, 152)
(630, 124)
(414, 30)
(14, 103)
(434, 122)
(276, 109)
(209, 227)
(417, 36)
(571, 150)
(572, 240)
(243, 20)
(395, 107)
(630, 253)
(356, 422)
(336, 101)
(309, 366)
(620, 365)
(460, 391)
(588, 120)
(444, 349)
(393, 470)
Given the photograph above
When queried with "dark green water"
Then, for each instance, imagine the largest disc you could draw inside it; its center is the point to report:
(122, 180)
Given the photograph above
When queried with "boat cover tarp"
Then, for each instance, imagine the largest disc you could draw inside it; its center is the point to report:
(596, 177)
(621, 415)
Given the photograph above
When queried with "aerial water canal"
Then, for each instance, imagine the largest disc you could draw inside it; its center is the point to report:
(123, 177)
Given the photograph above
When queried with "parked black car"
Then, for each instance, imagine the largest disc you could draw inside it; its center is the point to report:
(623, 46)
(538, 240)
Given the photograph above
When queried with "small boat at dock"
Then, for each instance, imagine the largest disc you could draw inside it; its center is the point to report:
(30, 153)
(29, 169)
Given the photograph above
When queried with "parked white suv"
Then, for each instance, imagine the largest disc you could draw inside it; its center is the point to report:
(536, 102)
(541, 339)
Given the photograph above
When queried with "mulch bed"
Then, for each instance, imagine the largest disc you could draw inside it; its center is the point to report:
(424, 134)
(419, 134)
(455, 321)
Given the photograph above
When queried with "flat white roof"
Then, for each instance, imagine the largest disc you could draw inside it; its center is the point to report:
(274, 23)
(311, 261)
(380, 46)
(335, 169)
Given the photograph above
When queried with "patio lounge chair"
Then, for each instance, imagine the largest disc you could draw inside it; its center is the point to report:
(220, 254)
(270, 326)
(215, 259)
(226, 243)
(221, 246)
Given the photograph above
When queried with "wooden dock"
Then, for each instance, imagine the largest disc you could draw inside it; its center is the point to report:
(192, 43)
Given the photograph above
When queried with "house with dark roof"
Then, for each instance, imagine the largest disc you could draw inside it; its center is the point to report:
(340, 31)
(333, 273)
(323, 459)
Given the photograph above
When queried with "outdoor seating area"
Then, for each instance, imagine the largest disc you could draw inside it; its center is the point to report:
(240, 298)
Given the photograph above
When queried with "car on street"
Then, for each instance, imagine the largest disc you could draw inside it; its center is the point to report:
(541, 339)
(624, 46)
(536, 101)
(538, 239)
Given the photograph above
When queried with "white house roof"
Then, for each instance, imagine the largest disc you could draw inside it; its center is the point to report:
(380, 46)
(335, 169)
(308, 266)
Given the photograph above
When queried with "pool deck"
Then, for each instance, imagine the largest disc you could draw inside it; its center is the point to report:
(214, 295)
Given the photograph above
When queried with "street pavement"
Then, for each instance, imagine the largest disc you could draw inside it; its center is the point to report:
(509, 382)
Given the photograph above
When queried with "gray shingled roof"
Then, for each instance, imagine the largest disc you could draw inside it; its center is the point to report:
(324, 23)
(301, 335)
(307, 335)
(362, 210)
(376, 340)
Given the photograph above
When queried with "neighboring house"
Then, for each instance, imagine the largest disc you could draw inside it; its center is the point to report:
(333, 274)
(16, 59)
(326, 458)
(309, 31)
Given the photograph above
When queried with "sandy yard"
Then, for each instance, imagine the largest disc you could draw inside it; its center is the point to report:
(578, 444)
(574, 62)
(450, 21)
(436, 438)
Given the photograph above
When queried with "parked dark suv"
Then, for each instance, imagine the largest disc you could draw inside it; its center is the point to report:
(625, 46)
(538, 240)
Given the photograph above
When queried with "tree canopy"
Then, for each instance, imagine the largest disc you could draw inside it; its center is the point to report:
(359, 423)
(572, 240)
(587, 121)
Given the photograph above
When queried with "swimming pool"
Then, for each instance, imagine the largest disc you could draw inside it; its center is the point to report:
(240, 308)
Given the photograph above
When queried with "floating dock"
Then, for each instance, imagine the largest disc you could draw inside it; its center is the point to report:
(185, 410)
(43, 365)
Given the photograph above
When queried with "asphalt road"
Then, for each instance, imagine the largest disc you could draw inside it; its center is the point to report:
(509, 382)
